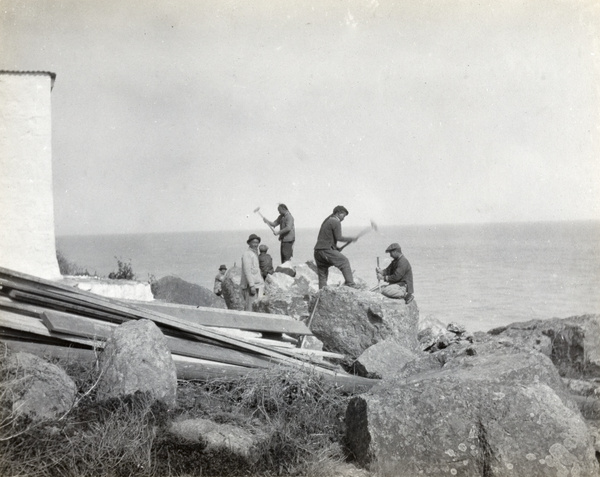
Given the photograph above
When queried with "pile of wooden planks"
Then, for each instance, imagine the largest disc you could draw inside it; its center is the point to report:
(51, 319)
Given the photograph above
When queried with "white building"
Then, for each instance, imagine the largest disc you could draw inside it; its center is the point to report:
(27, 239)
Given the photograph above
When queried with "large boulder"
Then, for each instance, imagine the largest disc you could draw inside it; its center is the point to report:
(496, 412)
(175, 290)
(572, 343)
(349, 321)
(36, 388)
(289, 295)
(384, 359)
(136, 358)
(232, 290)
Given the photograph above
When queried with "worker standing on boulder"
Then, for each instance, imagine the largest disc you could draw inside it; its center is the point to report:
(398, 275)
(326, 251)
(252, 283)
(286, 232)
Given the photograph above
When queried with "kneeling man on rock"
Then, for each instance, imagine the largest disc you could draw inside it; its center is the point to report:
(398, 275)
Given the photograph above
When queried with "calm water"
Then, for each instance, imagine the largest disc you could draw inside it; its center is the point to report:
(481, 276)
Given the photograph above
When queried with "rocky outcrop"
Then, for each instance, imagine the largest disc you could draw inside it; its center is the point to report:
(572, 343)
(495, 411)
(290, 295)
(36, 388)
(232, 291)
(175, 290)
(384, 359)
(434, 335)
(136, 358)
(349, 321)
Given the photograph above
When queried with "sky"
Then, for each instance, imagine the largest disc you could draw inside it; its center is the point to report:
(188, 115)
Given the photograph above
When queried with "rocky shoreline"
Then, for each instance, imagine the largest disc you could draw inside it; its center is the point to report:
(521, 400)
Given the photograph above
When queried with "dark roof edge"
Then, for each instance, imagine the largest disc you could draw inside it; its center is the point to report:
(31, 73)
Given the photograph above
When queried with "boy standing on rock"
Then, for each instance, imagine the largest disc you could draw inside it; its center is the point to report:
(398, 274)
(265, 261)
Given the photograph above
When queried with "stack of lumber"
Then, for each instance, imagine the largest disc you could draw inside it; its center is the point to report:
(51, 319)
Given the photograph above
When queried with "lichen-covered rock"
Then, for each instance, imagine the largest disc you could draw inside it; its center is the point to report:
(175, 290)
(572, 343)
(286, 295)
(434, 335)
(349, 321)
(36, 388)
(136, 358)
(218, 437)
(494, 415)
(383, 359)
(232, 290)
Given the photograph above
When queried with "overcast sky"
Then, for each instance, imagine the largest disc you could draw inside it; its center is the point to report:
(188, 115)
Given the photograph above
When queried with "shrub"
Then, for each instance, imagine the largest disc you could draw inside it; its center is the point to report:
(66, 267)
(124, 272)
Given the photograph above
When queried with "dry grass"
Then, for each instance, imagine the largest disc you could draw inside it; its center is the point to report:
(300, 415)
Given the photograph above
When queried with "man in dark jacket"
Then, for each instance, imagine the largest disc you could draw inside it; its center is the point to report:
(286, 232)
(265, 261)
(326, 251)
(398, 275)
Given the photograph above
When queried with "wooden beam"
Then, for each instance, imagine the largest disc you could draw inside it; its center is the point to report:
(187, 368)
(221, 318)
(66, 323)
(281, 356)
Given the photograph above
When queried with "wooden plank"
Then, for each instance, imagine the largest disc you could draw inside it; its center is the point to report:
(60, 303)
(22, 308)
(187, 368)
(282, 357)
(35, 326)
(159, 318)
(221, 318)
(66, 323)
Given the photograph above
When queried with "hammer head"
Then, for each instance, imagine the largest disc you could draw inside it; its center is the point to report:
(256, 210)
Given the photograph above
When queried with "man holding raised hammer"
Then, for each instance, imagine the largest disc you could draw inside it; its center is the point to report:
(327, 253)
(398, 275)
(287, 232)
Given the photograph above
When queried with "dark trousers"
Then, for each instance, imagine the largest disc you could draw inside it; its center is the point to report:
(287, 251)
(328, 258)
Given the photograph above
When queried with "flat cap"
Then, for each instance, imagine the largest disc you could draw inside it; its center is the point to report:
(393, 246)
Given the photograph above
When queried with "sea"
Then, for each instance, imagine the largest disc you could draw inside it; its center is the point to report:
(481, 276)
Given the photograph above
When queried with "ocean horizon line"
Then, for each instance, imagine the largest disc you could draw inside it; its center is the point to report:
(352, 227)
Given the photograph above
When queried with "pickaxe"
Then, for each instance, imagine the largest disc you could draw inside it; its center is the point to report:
(257, 211)
(360, 234)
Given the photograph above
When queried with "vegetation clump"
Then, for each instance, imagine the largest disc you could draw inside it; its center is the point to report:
(299, 417)
(124, 271)
(67, 267)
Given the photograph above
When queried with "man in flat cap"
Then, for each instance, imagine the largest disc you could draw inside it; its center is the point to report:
(252, 282)
(326, 251)
(398, 275)
(219, 280)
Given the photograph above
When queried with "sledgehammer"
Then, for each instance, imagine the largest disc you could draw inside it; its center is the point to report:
(360, 234)
(257, 211)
